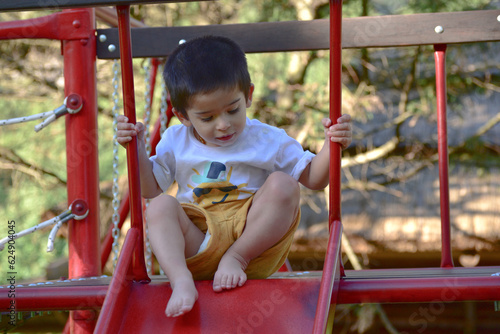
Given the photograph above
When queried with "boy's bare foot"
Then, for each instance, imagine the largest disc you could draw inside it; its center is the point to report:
(184, 295)
(231, 272)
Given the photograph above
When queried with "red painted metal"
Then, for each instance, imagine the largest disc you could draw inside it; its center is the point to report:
(330, 280)
(66, 25)
(125, 202)
(261, 306)
(413, 290)
(81, 154)
(332, 269)
(48, 298)
(335, 106)
(113, 308)
(440, 60)
(107, 243)
(139, 265)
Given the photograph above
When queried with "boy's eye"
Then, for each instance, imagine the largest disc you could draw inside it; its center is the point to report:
(207, 119)
(234, 111)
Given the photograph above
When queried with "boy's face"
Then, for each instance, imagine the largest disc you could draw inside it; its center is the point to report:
(219, 118)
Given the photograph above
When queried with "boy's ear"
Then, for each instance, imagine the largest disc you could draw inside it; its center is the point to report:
(250, 95)
(184, 120)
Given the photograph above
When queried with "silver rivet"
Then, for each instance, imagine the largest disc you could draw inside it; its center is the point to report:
(498, 18)
(439, 29)
(103, 38)
(111, 48)
(182, 41)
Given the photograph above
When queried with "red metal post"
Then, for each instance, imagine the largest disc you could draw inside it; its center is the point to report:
(125, 203)
(82, 157)
(139, 265)
(335, 106)
(330, 280)
(440, 60)
(332, 269)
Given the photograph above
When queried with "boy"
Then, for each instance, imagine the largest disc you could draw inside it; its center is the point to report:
(238, 178)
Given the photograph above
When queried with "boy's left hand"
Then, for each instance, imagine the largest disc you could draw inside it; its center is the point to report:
(339, 133)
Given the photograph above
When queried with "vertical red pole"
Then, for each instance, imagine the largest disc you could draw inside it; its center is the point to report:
(139, 264)
(82, 160)
(332, 270)
(440, 60)
(335, 106)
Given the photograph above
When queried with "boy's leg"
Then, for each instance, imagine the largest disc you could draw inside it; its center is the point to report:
(174, 237)
(273, 210)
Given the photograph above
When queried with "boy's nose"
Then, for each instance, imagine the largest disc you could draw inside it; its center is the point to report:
(223, 124)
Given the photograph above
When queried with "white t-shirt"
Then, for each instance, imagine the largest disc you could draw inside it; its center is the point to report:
(209, 175)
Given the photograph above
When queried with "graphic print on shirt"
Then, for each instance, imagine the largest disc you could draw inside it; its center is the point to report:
(214, 185)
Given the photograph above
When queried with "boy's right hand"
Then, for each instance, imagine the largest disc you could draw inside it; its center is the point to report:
(128, 130)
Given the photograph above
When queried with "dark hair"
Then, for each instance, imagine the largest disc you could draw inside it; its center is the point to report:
(204, 65)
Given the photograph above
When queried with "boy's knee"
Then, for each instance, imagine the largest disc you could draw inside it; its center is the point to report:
(159, 207)
(283, 186)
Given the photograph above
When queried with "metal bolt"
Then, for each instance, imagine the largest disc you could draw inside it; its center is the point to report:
(439, 29)
(182, 41)
(103, 38)
(111, 48)
(498, 18)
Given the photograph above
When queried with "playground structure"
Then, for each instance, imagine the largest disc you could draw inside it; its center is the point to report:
(286, 302)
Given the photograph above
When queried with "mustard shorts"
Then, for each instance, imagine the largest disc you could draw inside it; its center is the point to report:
(226, 222)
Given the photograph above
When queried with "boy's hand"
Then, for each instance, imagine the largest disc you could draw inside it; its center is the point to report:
(340, 132)
(128, 130)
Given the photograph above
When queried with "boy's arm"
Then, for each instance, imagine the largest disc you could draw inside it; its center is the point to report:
(316, 175)
(149, 185)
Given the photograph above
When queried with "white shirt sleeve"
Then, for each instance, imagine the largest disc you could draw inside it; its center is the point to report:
(291, 157)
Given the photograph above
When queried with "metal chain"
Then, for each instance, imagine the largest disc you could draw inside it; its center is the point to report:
(163, 114)
(164, 104)
(116, 201)
(147, 135)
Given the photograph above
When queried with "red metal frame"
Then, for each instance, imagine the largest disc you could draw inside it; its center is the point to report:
(139, 265)
(441, 98)
(332, 269)
(76, 30)
(81, 153)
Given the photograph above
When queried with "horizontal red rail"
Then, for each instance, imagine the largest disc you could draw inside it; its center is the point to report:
(351, 290)
(414, 290)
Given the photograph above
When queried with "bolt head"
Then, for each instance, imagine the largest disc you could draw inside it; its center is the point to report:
(103, 38)
(112, 48)
(439, 29)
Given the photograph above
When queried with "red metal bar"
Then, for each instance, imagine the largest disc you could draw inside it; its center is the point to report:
(335, 106)
(125, 203)
(107, 243)
(139, 265)
(329, 287)
(58, 298)
(332, 269)
(414, 290)
(82, 156)
(76, 23)
(440, 60)
(119, 289)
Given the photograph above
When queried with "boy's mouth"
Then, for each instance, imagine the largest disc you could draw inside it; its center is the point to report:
(226, 138)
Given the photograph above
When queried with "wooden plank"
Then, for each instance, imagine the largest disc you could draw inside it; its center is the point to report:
(20, 5)
(418, 29)
(380, 31)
